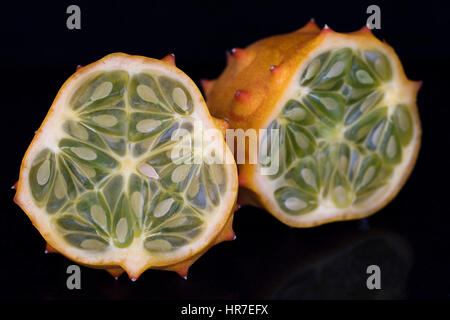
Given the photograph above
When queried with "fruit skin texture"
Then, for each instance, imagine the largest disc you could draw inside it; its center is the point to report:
(134, 266)
(248, 91)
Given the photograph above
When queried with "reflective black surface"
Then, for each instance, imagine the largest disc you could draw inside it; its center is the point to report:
(409, 239)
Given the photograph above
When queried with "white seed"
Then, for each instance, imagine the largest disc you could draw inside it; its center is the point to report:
(336, 69)
(148, 171)
(380, 66)
(92, 244)
(180, 173)
(102, 90)
(146, 93)
(295, 204)
(158, 245)
(84, 153)
(376, 135)
(312, 69)
(363, 77)
(340, 194)
(136, 203)
(122, 229)
(302, 140)
(112, 139)
(179, 97)
(368, 175)
(216, 174)
(176, 222)
(86, 170)
(193, 189)
(99, 215)
(295, 114)
(402, 120)
(391, 149)
(163, 207)
(343, 162)
(147, 125)
(60, 187)
(329, 103)
(105, 120)
(308, 176)
(43, 173)
(78, 131)
(369, 102)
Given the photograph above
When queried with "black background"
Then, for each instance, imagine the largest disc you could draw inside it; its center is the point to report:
(409, 239)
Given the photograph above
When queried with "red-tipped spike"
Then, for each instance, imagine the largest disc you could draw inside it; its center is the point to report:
(49, 249)
(311, 24)
(207, 86)
(238, 53)
(170, 58)
(79, 67)
(278, 73)
(183, 272)
(115, 272)
(365, 29)
(14, 187)
(417, 85)
(237, 207)
(242, 96)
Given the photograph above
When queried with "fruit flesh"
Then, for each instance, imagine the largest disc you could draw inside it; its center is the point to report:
(347, 118)
(102, 180)
(341, 140)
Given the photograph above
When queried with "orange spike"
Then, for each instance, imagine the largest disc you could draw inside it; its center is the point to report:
(49, 249)
(207, 86)
(242, 96)
(310, 26)
(227, 233)
(278, 72)
(241, 56)
(170, 58)
(326, 29)
(221, 124)
(115, 272)
(417, 85)
(365, 29)
(238, 53)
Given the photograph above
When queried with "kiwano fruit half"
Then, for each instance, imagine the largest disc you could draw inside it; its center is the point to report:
(108, 185)
(344, 116)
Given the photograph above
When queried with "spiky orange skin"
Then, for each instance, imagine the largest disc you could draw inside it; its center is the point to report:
(247, 92)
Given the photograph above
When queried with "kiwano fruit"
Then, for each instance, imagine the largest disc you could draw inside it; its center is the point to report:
(108, 184)
(344, 116)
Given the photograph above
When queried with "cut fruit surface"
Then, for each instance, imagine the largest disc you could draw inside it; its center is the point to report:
(346, 130)
(116, 176)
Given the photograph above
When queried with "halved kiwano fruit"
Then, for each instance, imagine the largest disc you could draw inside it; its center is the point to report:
(116, 176)
(343, 131)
